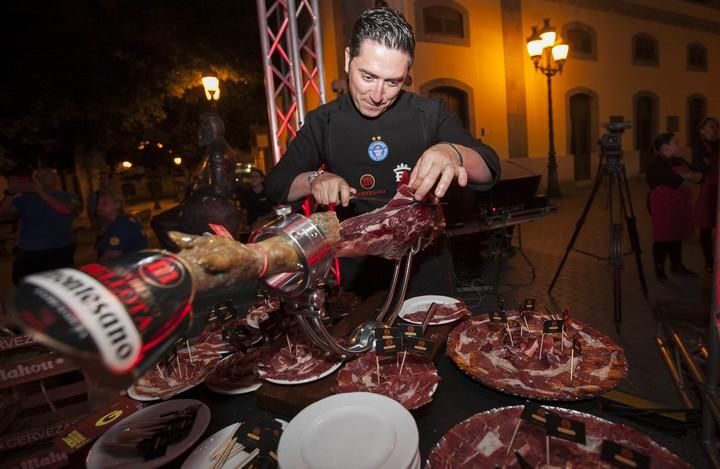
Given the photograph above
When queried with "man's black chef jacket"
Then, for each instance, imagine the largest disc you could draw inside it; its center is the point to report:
(375, 156)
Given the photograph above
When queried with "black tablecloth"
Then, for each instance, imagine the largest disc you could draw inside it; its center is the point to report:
(458, 397)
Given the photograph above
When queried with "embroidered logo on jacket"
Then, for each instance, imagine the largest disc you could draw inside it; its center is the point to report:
(367, 181)
(402, 174)
(378, 150)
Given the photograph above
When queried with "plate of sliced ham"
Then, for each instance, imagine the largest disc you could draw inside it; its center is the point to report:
(492, 439)
(445, 309)
(187, 369)
(412, 383)
(517, 357)
(295, 361)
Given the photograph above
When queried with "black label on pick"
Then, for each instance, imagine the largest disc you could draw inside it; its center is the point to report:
(385, 333)
(536, 415)
(498, 317)
(553, 326)
(565, 428)
(622, 456)
(385, 347)
(409, 330)
(418, 346)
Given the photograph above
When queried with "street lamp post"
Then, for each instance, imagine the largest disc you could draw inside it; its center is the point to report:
(211, 84)
(548, 53)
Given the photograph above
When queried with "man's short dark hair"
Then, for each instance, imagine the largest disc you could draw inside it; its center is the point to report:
(384, 26)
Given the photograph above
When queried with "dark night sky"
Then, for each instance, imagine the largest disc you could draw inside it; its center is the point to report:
(108, 73)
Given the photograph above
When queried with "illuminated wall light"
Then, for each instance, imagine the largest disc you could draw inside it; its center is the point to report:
(177, 160)
(126, 164)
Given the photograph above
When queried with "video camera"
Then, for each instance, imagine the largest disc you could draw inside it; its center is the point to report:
(611, 141)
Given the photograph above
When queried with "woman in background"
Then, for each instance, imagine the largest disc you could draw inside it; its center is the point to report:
(670, 177)
(705, 159)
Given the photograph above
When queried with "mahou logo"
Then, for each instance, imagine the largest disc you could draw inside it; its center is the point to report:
(163, 272)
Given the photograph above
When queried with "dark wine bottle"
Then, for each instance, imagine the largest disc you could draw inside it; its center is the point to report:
(116, 319)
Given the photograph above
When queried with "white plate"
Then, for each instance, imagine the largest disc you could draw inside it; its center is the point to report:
(305, 380)
(134, 394)
(101, 458)
(415, 464)
(357, 430)
(200, 457)
(422, 303)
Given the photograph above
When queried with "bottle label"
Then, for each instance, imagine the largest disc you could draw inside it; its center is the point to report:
(125, 312)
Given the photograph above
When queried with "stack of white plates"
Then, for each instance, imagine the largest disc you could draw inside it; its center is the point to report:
(357, 430)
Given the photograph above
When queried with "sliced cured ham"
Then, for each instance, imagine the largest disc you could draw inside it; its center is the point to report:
(298, 361)
(391, 231)
(187, 369)
(441, 314)
(413, 388)
(482, 441)
(537, 365)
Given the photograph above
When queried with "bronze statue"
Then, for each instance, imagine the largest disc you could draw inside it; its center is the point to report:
(210, 199)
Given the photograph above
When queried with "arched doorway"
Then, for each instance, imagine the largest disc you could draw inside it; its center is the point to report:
(455, 99)
(581, 143)
(696, 112)
(646, 125)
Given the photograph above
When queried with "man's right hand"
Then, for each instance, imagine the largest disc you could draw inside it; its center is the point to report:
(329, 188)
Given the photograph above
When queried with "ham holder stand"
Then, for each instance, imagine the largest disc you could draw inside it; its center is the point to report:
(302, 293)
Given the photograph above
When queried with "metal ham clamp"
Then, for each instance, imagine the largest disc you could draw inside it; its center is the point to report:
(302, 290)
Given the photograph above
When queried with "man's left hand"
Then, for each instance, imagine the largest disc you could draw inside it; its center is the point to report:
(437, 167)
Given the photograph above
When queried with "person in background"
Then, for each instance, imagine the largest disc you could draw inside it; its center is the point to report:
(46, 215)
(375, 138)
(103, 186)
(670, 177)
(123, 233)
(705, 154)
(255, 202)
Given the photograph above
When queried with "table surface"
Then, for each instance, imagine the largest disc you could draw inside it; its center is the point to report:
(458, 397)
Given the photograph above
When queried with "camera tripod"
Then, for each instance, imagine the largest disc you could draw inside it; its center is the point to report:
(612, 167)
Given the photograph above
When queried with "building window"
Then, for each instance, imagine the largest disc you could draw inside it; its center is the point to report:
(442, 20)
(445, 22)
(697, 57)
(581, 39)
(645, 50)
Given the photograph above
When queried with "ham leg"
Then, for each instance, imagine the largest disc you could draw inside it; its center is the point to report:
(389, 232)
